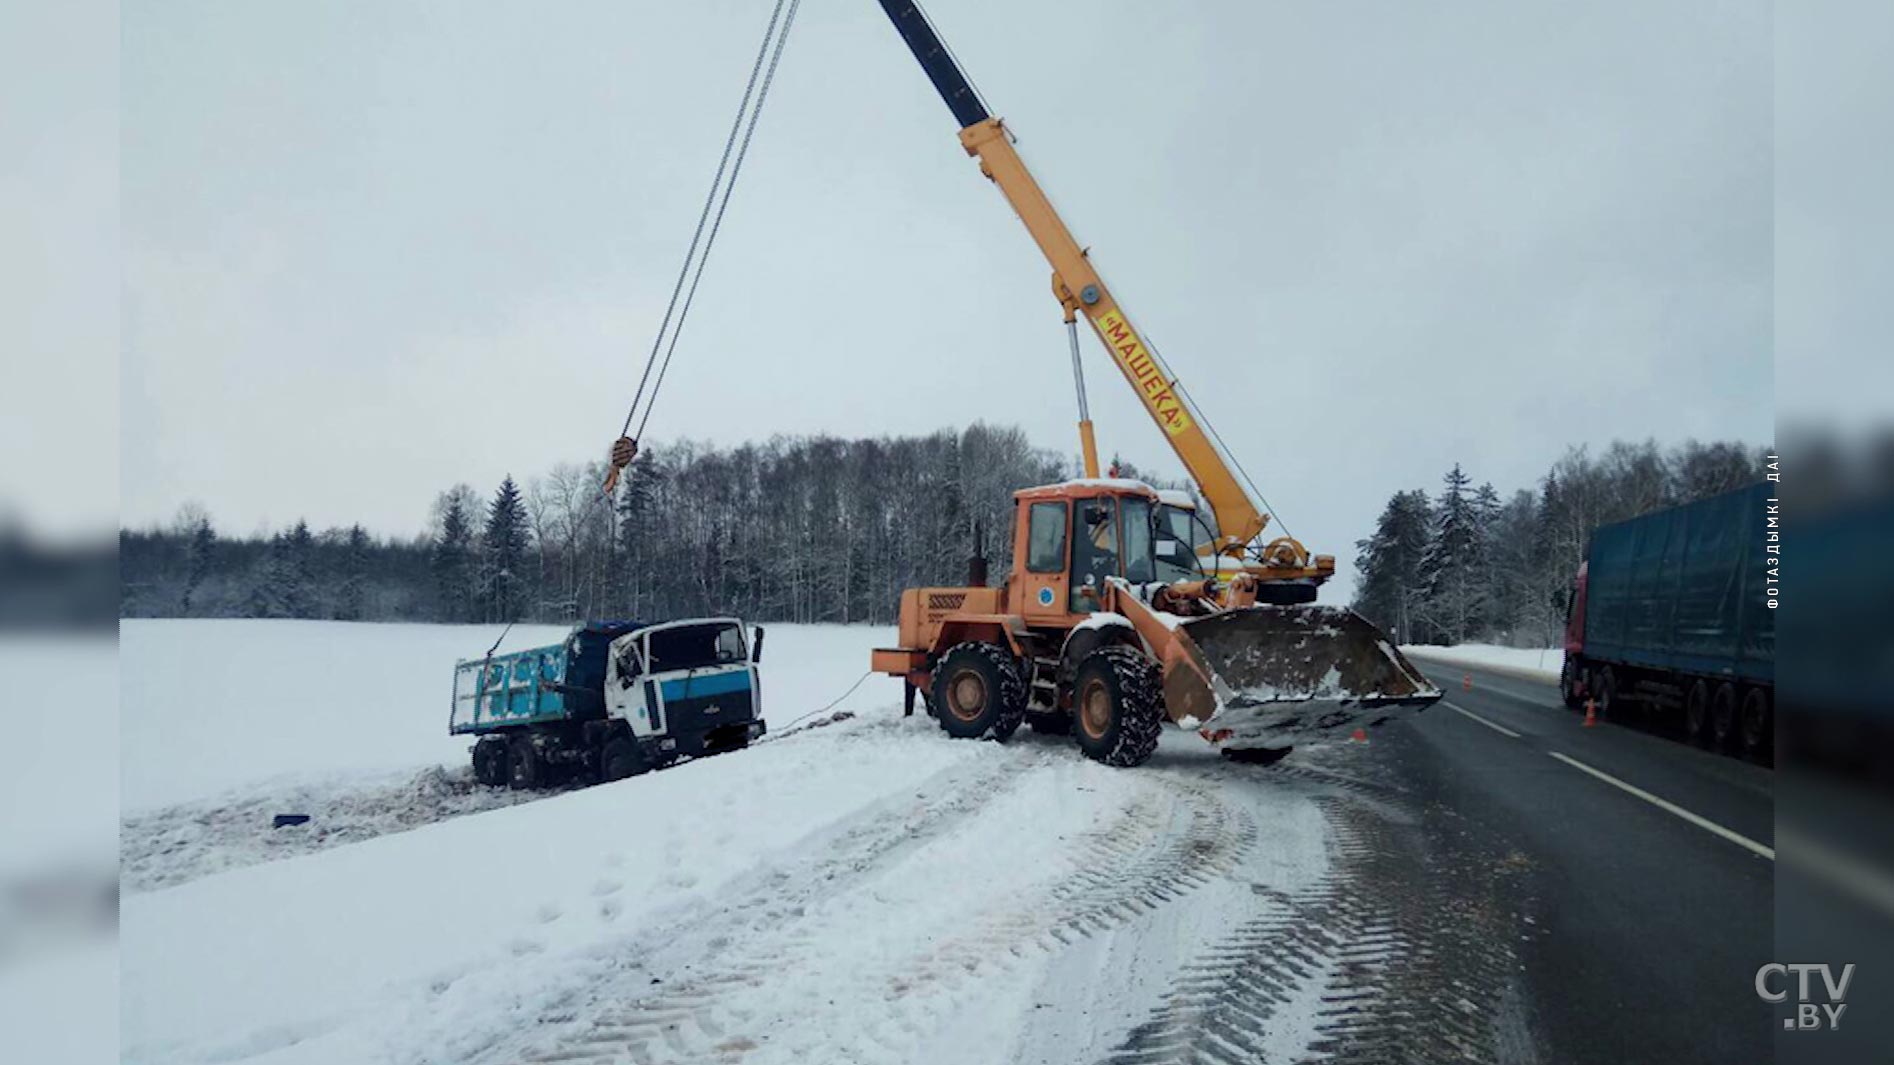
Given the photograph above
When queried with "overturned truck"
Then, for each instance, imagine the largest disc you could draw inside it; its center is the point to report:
(1109, 626)
(615, 699)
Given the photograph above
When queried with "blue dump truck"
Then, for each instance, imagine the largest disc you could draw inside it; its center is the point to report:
(1670, 610)
(616, 699)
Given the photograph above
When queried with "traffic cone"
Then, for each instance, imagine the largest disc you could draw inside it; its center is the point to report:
(1591, 712)
(1360, 736)
(1466, 681)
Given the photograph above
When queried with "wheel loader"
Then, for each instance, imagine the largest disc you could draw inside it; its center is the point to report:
(1109, 628)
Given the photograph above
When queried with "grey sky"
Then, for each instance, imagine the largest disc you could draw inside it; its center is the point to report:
(374, 249)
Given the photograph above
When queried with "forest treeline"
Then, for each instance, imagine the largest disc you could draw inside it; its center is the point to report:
(828, 530)
(1468, 565)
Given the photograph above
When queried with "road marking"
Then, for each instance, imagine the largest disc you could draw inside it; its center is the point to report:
(1501, 729)
(1670, 807)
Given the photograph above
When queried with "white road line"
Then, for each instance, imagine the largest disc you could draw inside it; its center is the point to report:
(1501, 729)
(1670, 807)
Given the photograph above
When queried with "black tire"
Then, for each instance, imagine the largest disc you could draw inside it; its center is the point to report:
(1723, 716)
(489, 762)
(1117, 706)
(620, 759)
(523, 767)
(978, 692)
(1607, 693)
(1050, 724)
(1697, 713)
(1753, 725)
(1257, 755)
(1568, 687)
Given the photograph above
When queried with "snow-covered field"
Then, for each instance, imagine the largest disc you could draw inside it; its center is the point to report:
(1537, 663)
(868, 891)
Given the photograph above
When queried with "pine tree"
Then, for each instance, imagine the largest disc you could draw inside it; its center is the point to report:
(1390, 562)
(197, 561)
(298, 573)
(1456, 591)
(351, 597)
(452, 555)
(503, 545)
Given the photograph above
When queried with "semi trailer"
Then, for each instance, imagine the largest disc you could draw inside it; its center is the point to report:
(614, 699)
(1669, 610)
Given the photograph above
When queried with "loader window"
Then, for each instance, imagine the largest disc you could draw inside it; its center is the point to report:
(1094, 549)
(1136, 516)
(1045, 538)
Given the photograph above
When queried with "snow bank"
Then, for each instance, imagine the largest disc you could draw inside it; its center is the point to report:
(222, 707)
(1537, 663)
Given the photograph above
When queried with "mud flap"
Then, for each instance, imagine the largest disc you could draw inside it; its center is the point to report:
(1279, 675)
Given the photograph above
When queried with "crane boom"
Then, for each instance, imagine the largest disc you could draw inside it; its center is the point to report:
(1080, 290)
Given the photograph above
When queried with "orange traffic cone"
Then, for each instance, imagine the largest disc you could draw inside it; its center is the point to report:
(1360, 736)
(1591, 712)
(1466, 681)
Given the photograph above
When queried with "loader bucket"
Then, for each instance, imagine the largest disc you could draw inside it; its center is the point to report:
(1272, 676)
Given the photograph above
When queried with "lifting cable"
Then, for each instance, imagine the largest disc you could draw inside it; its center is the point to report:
(781, 18)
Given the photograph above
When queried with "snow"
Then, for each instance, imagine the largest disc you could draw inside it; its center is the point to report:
(1119, 484)
(1102, 619)
(1172, 497)
(1537, 663)
(848, 890)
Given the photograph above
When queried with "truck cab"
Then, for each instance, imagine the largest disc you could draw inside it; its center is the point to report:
(687, 687)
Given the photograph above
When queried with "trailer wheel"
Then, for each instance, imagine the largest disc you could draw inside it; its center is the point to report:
(1755, 725)
(1257, 755)
(1117, 706)
(1568, 686)
(620, 759)
(1723, 716)
(1607, 694)
(523, 767)
(1697, 713)
(978, 692)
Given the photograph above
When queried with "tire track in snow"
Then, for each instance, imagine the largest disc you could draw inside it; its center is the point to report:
(1149, 855)
(1390, 958)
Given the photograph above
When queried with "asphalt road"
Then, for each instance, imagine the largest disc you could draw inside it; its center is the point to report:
(1645, 869)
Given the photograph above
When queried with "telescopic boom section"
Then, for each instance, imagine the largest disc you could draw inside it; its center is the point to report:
(1078, 287)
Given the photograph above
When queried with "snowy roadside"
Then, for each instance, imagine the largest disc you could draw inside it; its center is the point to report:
(1533, 663)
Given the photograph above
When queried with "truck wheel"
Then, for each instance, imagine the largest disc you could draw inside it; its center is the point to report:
(1754, 725)
(1568, 686)
(1607, 693)
(1697, 713)
(1117, 706)
(1050, 724)
(523, 767)
(1723, 716)
(978, 692)
(1256, 755)
(620, 759)
(489, 762)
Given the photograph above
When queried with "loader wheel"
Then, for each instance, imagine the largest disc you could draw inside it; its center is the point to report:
(978, 692)
(1257, 755)
(620, 759)
(1117, 706)
(1754, 724)
(523, 768)
(1697, 713)
(1723, 716)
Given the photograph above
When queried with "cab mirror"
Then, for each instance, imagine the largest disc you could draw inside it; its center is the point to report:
(756, 644)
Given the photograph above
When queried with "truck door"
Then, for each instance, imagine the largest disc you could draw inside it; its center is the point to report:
(1047, 545)
(630, 693)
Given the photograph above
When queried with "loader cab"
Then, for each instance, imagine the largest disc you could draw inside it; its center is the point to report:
(1070, 537)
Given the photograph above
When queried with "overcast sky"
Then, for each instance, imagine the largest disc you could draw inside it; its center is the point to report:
(374, 249)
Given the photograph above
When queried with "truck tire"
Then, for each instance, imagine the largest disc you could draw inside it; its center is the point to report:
(1257, 755)
(489, 761)
(1568, 686)
(1697, 713)
(1117, 706)
(1753, 725)
(621, 758)
(1607, 693)
(1723, 716)
(523, 767)
(978, 692)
